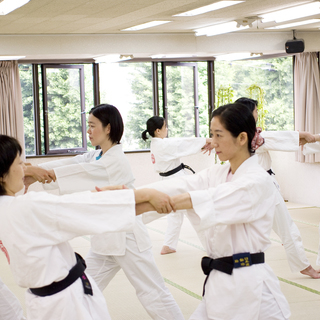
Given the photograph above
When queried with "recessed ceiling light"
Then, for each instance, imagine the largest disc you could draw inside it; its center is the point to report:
(172, 56)
(146, 25)
(110, 58)
(7, 6)
(219, 29)
(234, 56)
(295, 24)
(208, 8)
(293, 13)
(11, 57)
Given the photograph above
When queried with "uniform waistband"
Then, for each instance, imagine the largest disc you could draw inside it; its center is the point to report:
(175, 170)
(75, 272)
(227, 264)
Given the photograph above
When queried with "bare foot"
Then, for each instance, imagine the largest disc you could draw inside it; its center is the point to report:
(166, 250)
(315, 274)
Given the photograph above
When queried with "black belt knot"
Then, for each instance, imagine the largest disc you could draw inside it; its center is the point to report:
(271, 172)
(227, 264)
(75, 272)
(175, 170)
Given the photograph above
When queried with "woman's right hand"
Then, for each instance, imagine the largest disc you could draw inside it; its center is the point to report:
(161, 202)
(156, 200)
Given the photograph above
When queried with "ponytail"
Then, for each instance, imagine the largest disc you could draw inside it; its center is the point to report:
(153, 124)
(144, 135)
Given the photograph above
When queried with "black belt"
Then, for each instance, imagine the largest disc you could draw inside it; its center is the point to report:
(175, 170)
(227, 264)
(271, 172)
(76, 272)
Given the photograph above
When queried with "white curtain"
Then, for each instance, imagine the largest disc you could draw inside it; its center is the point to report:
(11, 111)
(307, 98)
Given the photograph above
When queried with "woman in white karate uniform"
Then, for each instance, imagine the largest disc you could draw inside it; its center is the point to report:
(283, 224)
(129, 251)
(233, 207)
(165, 157)
(35, 229)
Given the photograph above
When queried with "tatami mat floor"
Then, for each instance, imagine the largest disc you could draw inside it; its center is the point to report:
(184, 277)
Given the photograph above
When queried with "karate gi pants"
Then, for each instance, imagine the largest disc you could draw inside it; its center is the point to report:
(174, 220)
(269, 309)
(142, 272)
(68, 304)
(10, 308)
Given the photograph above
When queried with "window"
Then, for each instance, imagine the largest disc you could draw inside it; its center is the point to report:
(55, 113)
(270, 79)
(25, 73)
(128, 86)
(64, 108)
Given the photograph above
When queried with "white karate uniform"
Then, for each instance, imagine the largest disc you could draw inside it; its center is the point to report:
(129, 251)
(234, 217)
(35, 229)
(283, 224)
(311, 148)
(165, 156)
(10, 307)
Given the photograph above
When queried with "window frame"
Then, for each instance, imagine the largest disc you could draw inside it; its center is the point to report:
(80, 67)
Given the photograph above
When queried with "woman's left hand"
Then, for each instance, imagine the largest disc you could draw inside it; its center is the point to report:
(116, 187)
(161, 202)
(207, 148)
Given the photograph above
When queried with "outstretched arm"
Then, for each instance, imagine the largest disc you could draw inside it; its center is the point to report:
(306, 137)
(34, 174)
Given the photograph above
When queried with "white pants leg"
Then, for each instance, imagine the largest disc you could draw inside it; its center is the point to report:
(201, 312)
(269, 307)
(174, 220)
(289, 234)
(142, 272)
(10, 307)
(101, 268)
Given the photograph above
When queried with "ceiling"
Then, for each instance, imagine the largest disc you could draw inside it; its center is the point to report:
(60, 20)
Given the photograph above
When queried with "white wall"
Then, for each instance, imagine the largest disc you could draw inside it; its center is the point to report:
(78, 46)
(299, 182)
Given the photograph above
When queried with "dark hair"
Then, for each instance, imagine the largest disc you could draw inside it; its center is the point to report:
(9, 149)
(153, 124)
(237, 118)
(109, 114)
(250, 103)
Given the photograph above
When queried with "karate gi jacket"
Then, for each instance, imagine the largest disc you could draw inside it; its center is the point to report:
(84, 172)
(232, 217)
(36, 227)
(276, 141)
(166, 153)
(311, 148)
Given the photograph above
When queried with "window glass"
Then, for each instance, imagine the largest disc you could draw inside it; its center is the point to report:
(64, 107)
(203, 99)
(128, 86)
(25, 73)
(269, 81)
